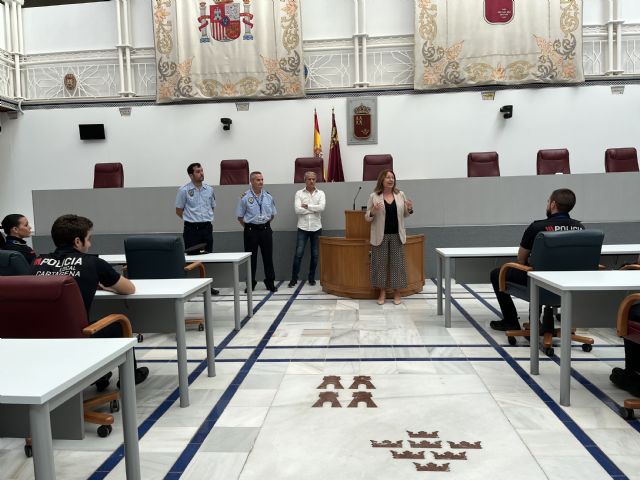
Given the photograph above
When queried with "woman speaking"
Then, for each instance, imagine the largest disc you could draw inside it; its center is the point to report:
(386, 209)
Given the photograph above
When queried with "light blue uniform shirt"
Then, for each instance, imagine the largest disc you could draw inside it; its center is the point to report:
(197, 205)
(257, 209)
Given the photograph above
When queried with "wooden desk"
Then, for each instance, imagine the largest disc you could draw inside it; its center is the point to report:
(234, 258)
(478, 263)
(44, 373)
(345, 262)
(588, 299)
(158, 306)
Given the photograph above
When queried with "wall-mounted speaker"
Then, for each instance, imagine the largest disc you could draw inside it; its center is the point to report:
(92, 131)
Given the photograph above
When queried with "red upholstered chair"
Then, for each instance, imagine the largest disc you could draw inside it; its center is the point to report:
(621, 160)
(483, 164)
(108, 175)
(630, 330)
(52, 307)
(374, 164)
(308, 164)
(551, 162)
(234, 172)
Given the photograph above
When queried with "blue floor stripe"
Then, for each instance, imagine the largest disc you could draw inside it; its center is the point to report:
(196, 441)
(110, 463)
(595, 451)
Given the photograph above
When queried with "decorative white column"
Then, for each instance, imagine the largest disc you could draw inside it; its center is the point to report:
(119, 48)
(356, 49)
(127, 44)
(618, 21)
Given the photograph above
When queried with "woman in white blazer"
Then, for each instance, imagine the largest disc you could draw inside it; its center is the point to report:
(386, 209)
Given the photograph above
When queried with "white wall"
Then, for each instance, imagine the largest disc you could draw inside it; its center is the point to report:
(428, 135)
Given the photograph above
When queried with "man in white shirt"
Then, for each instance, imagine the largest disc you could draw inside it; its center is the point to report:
(309, 204)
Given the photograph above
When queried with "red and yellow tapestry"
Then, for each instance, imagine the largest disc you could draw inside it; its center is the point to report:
(211, 49)
(461, 43)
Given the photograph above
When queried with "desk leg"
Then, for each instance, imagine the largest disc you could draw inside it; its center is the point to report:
(534, 292)
(208, 332)
(236, 296)
(439, 284)
(447, 292)
(249, 289)
(181, 345)
(40, 424)
(565, 349)
(129, 422)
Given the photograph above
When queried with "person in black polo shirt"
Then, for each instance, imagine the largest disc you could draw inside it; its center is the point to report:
(560, 203)
(17, 228)
(71, 235)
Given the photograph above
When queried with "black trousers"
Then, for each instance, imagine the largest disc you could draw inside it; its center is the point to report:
(507, 307)
(260, 236)
(632, 349)
(114, 331)
(195, 233)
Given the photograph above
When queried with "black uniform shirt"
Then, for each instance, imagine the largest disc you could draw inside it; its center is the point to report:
(558, 222)
(18, 245)
(87, 270)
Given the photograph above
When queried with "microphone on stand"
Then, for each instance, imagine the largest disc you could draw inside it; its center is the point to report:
(354, 198)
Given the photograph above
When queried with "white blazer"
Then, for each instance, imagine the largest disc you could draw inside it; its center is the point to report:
(377, 227)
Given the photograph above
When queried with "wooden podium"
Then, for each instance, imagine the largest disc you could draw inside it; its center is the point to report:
(345, 262)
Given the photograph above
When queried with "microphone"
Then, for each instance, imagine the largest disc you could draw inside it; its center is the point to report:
(354, 198)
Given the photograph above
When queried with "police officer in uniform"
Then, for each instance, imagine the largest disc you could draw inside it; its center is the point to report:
(17, 228)
(256, 209)
(559, 204)
(71, 235)
(195, 203)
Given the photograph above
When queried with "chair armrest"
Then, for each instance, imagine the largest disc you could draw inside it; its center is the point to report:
(192, 266)
(623, 313)
(108, 320)
(631, 266)
(502, 278)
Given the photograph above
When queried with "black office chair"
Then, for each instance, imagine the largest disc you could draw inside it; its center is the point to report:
(13, 263)
(158, 257)
(576, 250)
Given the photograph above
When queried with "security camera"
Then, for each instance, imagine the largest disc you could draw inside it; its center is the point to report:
(507, 110)
(226, 123)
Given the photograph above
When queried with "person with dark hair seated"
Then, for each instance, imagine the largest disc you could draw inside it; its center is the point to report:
(71, 235)
(559, 204)
(17, 228)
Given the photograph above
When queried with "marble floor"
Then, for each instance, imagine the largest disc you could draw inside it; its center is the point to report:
(397, 395)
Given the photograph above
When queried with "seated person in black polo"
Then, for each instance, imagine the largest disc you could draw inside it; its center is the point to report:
(560, 203)
(16, 228)
(71, 235)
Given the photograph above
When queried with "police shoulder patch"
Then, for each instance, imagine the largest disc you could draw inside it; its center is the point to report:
(244, 194)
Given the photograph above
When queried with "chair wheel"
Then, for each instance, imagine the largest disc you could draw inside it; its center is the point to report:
(586, 347)
(511, 340)
(104, 431)
(28, 451)
(114, 406)
(140, 337)
(548, 352)
(626, 413)
(200, 327)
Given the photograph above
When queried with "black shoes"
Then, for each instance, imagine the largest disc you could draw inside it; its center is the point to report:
(292, 283)
(271, 287)
(215, 291)
(626, 380)
(253, 287)
(312, 282)
(502, 326)
(103, 382)
(141, 375)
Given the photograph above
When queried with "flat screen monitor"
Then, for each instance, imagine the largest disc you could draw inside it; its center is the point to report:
(92, 131)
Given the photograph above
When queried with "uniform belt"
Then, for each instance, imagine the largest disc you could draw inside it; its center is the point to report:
(257, 226)
(197, 224)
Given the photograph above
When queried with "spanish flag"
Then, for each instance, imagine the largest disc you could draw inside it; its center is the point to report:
(317, 144)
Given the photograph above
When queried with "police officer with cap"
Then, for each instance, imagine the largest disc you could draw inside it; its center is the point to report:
(195, 203)
(256, 209)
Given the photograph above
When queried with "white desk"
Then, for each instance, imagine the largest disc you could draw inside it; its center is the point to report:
(44, 373)
(147, 308)
(234, 258)
(597, 295)
(446, 256)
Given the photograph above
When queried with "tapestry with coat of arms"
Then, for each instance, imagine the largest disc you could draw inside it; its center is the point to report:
(212, 49)
(461, 43)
